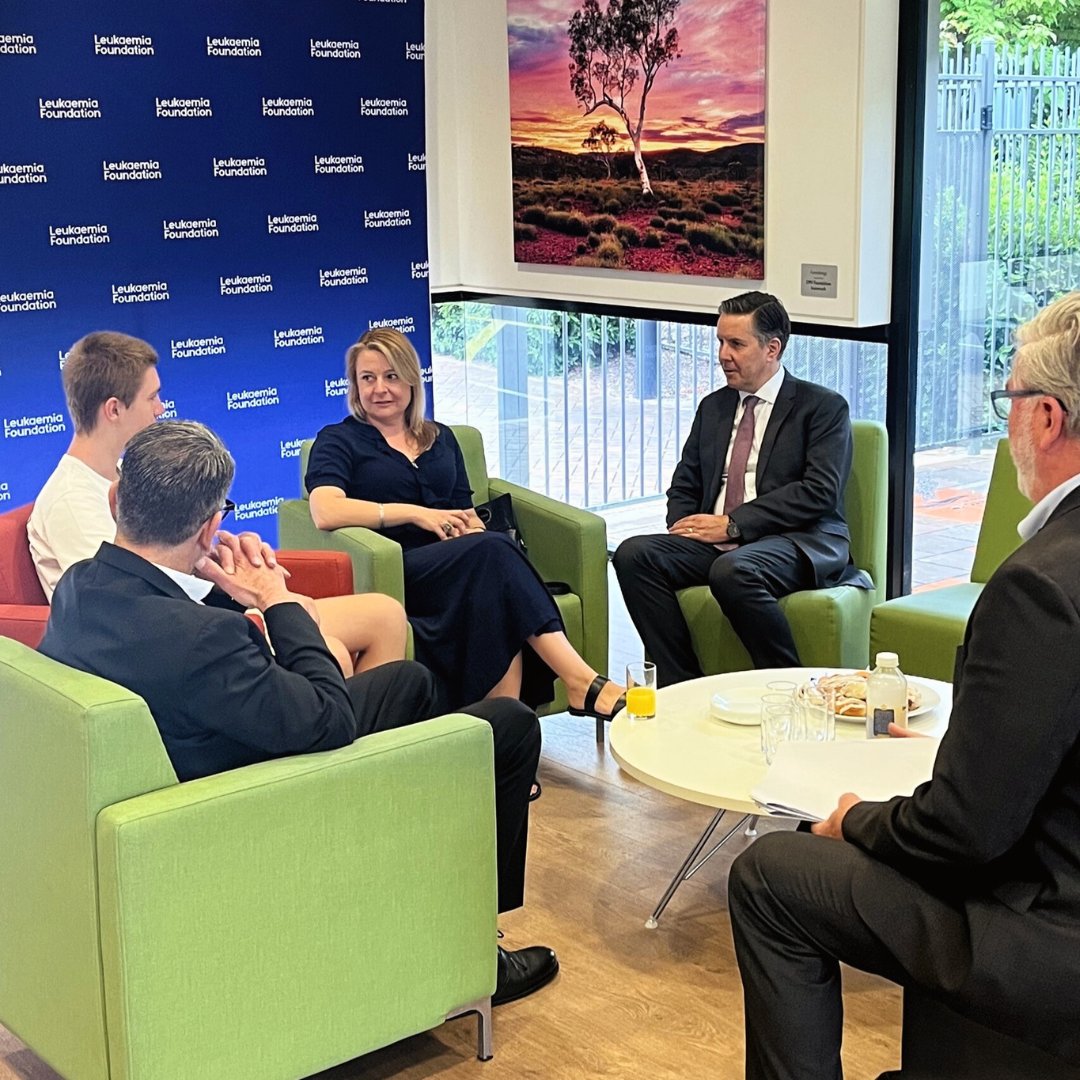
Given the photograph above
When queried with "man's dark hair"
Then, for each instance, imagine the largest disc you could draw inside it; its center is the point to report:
(770, 317)
(175, 475)
(103, 365)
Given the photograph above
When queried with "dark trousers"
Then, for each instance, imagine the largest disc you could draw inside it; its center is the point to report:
(801, 905)
(747, 582)
(402, 693)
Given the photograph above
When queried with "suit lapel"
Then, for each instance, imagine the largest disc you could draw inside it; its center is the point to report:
(129, 563)
(719, 439)
(785, 400)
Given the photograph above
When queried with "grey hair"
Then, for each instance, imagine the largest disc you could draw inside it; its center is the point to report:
(175, 475)
(1048, 356)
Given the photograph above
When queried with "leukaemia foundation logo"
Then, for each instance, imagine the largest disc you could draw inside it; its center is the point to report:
(298, 335)
(405, 323)
(325, 49)
(261, 398)
(17, 45)
(232, 167)
(23, 172)
(69, 108)
(118, 45)
(257, 508)
(280, 106)
(335, 277)
(387, 219)
(78, 235)
(175, 108)
(5, 490)
(240, 284)
(292, 223)
(188, 348)
(125, 171)
(190, 229)
(26, 427)
(230, 46)
(384, 106)
(339, 163)
(140, 292)
(38, 300)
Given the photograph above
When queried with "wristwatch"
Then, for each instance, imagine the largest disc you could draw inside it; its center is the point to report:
(733, 531)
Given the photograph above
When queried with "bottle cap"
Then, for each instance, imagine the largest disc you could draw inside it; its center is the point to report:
(887, 659)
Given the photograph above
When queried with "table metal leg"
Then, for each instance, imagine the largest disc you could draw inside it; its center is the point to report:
(691, 865)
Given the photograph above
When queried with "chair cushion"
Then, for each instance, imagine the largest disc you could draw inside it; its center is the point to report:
(925, 629)
(829, 627)
(18, 579)
(318, 574)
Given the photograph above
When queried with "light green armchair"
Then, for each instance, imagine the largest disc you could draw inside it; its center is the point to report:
(262, 924)
(565, 544)
(924, 629)
(830, 626)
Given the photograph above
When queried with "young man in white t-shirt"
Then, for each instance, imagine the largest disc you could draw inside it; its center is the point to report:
(112, 388)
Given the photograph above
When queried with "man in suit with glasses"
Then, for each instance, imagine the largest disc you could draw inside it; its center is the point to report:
(969, 889)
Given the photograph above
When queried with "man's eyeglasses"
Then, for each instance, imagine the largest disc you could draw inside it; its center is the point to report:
(227, 509)
(1002, 400)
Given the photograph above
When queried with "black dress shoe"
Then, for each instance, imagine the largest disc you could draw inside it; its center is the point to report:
(523, 971)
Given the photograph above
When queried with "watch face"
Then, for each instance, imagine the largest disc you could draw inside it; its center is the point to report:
(733, 531)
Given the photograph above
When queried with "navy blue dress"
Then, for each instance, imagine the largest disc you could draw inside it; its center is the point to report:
(473, 601)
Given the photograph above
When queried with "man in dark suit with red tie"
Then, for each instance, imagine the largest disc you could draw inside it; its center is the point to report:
(755, 507)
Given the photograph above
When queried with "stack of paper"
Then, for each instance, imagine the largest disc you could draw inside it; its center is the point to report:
(806, 780)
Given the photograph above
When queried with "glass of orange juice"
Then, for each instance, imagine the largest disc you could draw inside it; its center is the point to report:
(641, 690)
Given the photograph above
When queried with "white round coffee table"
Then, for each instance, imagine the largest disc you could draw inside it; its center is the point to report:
(685, 752)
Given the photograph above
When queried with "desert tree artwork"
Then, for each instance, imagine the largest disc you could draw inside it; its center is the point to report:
(637, 132)
(615, 49)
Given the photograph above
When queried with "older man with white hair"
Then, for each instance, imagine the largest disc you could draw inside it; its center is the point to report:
(969, 889)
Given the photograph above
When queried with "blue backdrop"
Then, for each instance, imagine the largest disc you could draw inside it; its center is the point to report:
(243, 185)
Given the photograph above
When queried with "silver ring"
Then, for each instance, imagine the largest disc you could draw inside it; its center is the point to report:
(447, 528)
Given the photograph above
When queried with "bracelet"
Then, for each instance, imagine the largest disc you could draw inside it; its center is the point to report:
(382, 515)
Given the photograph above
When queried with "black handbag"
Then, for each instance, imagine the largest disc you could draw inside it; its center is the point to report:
(498, 516)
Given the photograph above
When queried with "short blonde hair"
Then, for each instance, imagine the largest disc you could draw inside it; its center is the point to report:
(1048, 356)
(398, 352)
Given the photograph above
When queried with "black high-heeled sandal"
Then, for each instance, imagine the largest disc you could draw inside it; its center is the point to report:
(589, 707)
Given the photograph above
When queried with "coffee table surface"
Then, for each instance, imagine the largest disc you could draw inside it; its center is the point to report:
(686, 752)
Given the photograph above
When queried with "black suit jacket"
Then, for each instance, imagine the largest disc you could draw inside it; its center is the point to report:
(998, 825)
(802, 469)
(220, 699)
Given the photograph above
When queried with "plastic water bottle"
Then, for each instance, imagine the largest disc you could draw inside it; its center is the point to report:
(886, 696)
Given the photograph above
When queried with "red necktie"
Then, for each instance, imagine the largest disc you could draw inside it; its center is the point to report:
(735, 489)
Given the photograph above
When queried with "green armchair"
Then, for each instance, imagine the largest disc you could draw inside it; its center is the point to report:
(261, 924)
(925, 628)
(830, 626)
(565, 544)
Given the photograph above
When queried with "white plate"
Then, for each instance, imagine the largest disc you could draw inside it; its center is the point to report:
(738, 705)
(931, 699)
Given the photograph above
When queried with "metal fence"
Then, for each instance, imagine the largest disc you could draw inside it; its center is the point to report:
(1002, 228)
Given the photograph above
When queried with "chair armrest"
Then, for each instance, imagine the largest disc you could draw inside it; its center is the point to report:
(304, 910)
(318, 573)
(376, 561)
(24, 622)
(567, 544)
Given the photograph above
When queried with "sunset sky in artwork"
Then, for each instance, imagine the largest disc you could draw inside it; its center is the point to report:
(712, 95)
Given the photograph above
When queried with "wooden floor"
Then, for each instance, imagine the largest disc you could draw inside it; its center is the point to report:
(629, 1002)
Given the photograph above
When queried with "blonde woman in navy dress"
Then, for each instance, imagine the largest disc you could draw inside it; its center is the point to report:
(482, 618)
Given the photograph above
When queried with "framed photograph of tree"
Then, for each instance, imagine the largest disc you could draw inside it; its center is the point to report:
(637, 132)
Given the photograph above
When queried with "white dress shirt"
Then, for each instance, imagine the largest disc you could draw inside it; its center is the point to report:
(767, 396)
(1036, 519)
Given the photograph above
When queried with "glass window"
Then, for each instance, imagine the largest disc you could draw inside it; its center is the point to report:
(1001, 238)
(594, 409)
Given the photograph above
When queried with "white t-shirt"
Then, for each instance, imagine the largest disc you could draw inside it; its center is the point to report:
(70, 519)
